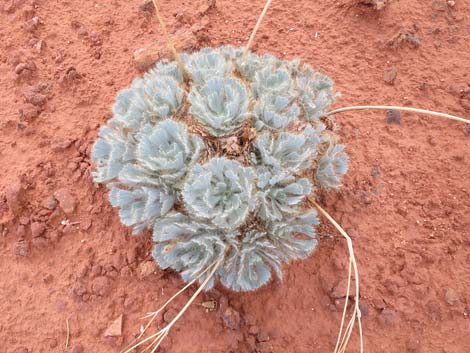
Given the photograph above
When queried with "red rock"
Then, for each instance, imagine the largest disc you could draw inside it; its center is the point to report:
(115, 329)
(340, 290)
(66, 201)
(37, 229)
(28, 111)
(450, 296)
(387, 317)
(15, 195)
(49, 203)
(231, 319)
(31, 24)
(147, 268)
(390, 74)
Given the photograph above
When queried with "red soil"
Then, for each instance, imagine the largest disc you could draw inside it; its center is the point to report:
(405, 200)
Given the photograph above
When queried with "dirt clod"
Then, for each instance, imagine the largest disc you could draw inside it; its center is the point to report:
(15, 195)
(32, 95)
(77, 348)
(101, 286)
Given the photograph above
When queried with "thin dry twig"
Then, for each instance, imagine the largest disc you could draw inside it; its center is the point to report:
(253, 33)
(356, 314)
(170, 43)
(67, 339)
(406, 109)
(154, 314)
(157, 338)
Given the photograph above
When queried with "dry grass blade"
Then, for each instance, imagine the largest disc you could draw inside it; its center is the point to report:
(67, 339)
(253, 33)
(356, 314)
(160, 335)
(170, 43)
(405, 109)
(154, 314)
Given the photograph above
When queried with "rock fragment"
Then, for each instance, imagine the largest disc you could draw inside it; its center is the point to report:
(450, 296)
(115, 329)
(37, 229)
(15, 195)
(147, 268)
(393, 117)
(231, 319)
(66, 201)
(390, 74)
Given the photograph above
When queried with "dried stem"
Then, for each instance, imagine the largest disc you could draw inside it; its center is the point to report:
(155, 313)
(157, 338)
(406, 109)
(253, 33)
(170, 43)
(356, 314)
(67, 339)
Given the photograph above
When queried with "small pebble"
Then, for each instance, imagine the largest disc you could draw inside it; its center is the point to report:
(231, 319)
(390, 74)
(393, 117)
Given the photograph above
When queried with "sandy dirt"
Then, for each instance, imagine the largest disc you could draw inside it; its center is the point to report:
(65, 257)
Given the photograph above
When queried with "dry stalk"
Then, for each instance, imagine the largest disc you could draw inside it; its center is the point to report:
(342, 341)
(406, 109)
(157, 338)
(170, 43)
(253, 33)
(67, 339)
